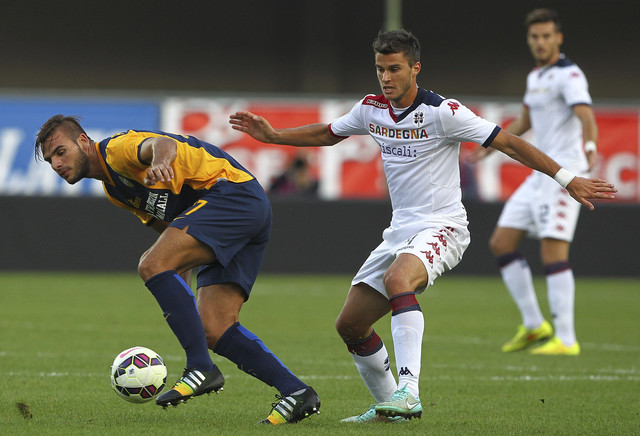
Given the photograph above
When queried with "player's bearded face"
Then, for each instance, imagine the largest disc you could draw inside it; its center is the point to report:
(80, 166)
(68, 159)
(544, 42)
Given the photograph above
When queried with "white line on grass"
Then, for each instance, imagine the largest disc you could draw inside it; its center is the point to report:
(498, 378)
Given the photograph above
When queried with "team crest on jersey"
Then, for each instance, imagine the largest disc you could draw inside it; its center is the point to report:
(418, 118)
(135, 202)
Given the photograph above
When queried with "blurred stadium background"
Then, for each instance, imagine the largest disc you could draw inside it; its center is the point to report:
(185, 66)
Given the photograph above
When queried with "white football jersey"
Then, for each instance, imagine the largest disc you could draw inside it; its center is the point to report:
(419, 149)
(552, 91)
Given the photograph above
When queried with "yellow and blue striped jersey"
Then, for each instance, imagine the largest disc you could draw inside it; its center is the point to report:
(197, 168)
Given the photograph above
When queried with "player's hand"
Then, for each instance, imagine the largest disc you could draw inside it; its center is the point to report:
(253, 125)
(158, 173)
(582, 190)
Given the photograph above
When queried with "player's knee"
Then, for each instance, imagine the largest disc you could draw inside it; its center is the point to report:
(342, 327)
(395, 282)
(212, 338)
(147, 268)
(350, 331)
(497, 245)
(504, 241)
(214, 329)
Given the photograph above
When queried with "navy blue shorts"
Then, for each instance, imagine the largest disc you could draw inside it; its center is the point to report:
(234, 219)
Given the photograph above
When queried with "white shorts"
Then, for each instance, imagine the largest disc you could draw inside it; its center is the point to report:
(542, 208)
(439, 247)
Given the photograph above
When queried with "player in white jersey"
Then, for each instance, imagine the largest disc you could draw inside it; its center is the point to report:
(419, 134)
(557, 106)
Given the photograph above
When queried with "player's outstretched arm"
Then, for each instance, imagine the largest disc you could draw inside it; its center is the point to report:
(517, 127)
(477, 154)
(582, 189)
(312, 135)
(253, 125)
(579, 188)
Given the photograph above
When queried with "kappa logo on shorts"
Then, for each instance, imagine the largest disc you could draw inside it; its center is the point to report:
(428, 255)
(442, 240)
(435, 246)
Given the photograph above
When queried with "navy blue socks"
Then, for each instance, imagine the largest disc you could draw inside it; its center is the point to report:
(181, 313)
(250, 354)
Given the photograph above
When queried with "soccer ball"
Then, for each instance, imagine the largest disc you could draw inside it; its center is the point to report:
(138, 374)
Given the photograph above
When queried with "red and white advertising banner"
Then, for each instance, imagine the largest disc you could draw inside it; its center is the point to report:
(353, 168)
(497, 176)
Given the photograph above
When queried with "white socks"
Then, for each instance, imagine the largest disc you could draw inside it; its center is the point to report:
(561, 294)
(375, 372)
(371, 357)
(518, 280)
(407, 329)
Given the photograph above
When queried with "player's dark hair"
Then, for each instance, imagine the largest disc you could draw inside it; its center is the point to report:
(69, 124)
(543, 15)
(398, 41)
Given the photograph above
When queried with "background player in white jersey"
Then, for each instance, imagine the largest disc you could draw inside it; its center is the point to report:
(557, 108)
(419, 134)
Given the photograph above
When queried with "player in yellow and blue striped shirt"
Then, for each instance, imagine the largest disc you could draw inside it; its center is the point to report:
(211, 214)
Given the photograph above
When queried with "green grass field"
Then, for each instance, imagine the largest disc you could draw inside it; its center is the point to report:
(60, 332)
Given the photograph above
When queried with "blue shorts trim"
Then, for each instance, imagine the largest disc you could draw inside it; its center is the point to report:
(234, 219)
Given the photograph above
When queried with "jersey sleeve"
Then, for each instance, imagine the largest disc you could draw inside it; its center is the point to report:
(351, 123)
(576, 88)
(123, 153)
(461, 124)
